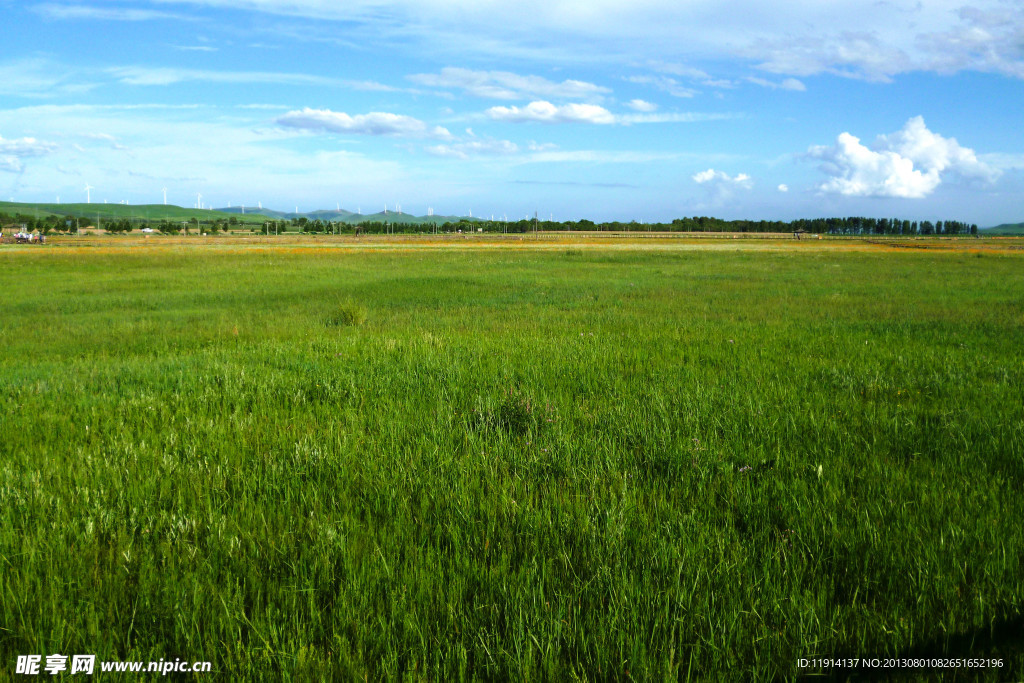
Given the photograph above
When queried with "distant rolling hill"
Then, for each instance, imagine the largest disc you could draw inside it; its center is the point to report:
(344, 216)
(1005, 229)
(169, 212)
(147, 212)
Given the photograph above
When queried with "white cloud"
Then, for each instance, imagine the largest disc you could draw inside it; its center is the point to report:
(783, 188)
(600, 157)
(713, 176)
(984, 40)
(107, 138)
(157, 76)
(856, 55)
(641, 105)
(545, 112)
(12, 152)
(788, 37)
(144, 75)
(910, 163)
(1002, 161)
(786, 84)
(676, 117)
(374, 123)
(685, 71)
(473, 148)
(41, 78)
(66, 12)
(504, 85)
(664, 83)
(541, 146)
(720, 185)
(932, 151)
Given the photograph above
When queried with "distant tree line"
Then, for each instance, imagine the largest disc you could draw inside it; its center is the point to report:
(854, 225)
(71, 224)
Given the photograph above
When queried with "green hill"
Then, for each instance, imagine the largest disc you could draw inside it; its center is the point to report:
(1005, 229)
(161, 212)
(143, 212)
(343, 216)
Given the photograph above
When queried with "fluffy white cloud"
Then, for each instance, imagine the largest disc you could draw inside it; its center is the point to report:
(910, 163)
(931, 151)
(783, 187)
(12, 152)
(374, 123)
(545, 112)
(721, 186)
(505, 85)
(641, 105)
(720, 177)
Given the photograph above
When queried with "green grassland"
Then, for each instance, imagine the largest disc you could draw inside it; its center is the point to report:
(619, 463)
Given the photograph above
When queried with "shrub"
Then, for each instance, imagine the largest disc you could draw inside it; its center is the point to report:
(347, 314)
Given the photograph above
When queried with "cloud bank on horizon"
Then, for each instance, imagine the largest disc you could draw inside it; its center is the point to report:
(649, 109)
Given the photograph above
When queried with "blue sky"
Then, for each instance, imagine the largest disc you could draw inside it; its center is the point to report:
(608, 110)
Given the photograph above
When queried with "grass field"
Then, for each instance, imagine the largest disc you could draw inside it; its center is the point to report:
(512, 460)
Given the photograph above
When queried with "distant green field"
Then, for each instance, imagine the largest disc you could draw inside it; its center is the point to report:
(619, 463)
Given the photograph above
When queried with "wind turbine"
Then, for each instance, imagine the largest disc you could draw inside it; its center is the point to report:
(165, 196)
(88, 197)
(199, 201)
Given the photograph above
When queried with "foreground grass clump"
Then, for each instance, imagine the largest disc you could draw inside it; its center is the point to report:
(521, 464)
(348, 313)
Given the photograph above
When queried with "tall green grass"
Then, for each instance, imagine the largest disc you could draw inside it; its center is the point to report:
(510, 465)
